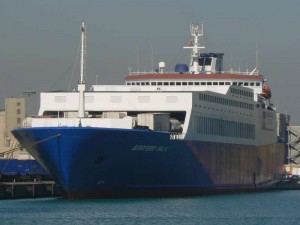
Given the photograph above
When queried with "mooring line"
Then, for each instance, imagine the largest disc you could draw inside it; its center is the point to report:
(46, 139)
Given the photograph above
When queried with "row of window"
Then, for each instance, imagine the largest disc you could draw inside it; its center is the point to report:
(191, 83)
(241, 92)
(225, 101)
(205, 125)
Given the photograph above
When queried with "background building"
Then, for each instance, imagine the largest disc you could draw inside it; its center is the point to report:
(11, 117)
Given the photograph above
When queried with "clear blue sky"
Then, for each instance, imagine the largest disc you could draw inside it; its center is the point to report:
(39, 41)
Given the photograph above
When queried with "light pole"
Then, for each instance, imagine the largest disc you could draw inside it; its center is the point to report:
(28, 93)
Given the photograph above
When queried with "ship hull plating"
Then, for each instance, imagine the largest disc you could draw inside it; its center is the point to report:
(103, 162)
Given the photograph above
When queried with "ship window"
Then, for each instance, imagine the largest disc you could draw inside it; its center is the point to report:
(138, 83)
(184, 83)
(207, 61)
(128, 84)
(166, 83)
(257, 84)
(251, 84)
(159, 83)
(203, 83)
(221, 83)
(143, 83)
(143, 99)
(197, 83)
(190, 83)
(153, 83)
(201, 61)
(240, 83)
(246, 84)
(234, 83)
(178, 83)
(208, 83)
(172, 83)
(215, 83)
(147, 83)
(227, 83)
(59, 99)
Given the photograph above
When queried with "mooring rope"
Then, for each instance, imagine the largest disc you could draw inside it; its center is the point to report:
(17, 147)
(46, 139)
(10, 152)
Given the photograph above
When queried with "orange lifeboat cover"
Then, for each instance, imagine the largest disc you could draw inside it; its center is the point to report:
(266, 91)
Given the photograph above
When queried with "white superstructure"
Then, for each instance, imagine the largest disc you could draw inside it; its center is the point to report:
(202, 103)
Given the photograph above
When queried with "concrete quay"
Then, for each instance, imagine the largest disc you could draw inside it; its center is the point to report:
(29, 189)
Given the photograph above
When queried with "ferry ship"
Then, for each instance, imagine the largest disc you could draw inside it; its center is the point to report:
(193, 131)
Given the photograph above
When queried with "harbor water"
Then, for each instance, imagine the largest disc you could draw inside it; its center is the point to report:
(275, 207)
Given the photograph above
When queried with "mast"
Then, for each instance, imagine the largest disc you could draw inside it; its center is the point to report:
(81, 83)
(196, 33)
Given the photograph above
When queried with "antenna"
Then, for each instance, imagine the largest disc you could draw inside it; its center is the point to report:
(152, 59)
(256, 60)
(196, 32)
(256, 56)
(137, 58)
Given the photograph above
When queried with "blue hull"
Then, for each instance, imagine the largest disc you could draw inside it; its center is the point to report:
(103, 162)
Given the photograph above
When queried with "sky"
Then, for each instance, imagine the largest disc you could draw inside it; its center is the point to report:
(39, 41)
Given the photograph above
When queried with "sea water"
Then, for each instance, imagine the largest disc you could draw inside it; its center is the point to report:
(275, 207)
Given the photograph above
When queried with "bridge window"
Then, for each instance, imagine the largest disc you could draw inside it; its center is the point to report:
(207, 61)
(153, 83)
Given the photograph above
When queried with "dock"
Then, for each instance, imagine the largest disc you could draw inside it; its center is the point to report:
(29, 189)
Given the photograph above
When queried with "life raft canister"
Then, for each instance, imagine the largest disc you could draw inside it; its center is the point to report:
(266, 92)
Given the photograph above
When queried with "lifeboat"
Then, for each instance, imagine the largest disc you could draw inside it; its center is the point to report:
(266, 92)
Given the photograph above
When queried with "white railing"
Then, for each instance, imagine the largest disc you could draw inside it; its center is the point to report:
(223, 72)
(126, 122)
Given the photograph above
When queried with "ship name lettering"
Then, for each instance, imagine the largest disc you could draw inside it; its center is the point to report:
(149, 148)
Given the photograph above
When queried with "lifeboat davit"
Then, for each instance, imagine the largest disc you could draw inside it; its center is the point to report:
(266, 92)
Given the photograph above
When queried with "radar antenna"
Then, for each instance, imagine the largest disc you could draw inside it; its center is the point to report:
(196, 33)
